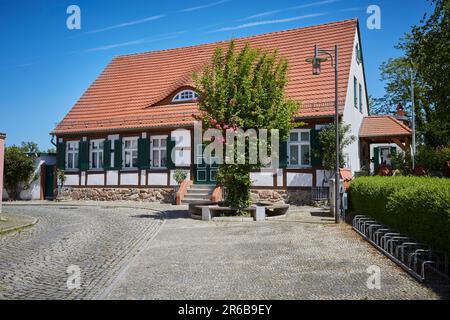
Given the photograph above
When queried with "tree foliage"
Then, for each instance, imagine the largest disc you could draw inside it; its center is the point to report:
(19, 171)
(327, 150)
(244, 89)
(427, 50)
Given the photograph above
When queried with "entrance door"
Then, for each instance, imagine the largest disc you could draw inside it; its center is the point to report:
(49, 179)
(204, 173)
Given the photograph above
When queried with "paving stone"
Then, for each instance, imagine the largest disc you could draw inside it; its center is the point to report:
(100, 240)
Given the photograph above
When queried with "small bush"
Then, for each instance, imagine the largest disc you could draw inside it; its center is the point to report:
(418, 207)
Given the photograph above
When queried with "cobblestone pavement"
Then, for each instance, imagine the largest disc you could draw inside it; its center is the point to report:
(304, 256)
(101, 240)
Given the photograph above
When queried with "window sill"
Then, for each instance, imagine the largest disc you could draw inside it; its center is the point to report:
(299, 167)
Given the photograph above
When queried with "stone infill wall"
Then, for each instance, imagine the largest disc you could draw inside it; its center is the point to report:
(166, 195)
(297, 197)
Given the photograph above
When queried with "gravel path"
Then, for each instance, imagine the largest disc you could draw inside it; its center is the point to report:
(99, 240)
(305, 256)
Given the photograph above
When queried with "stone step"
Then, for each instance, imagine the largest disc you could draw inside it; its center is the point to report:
(199, 191)
(198, 196)
(190, 200)
(202, 187)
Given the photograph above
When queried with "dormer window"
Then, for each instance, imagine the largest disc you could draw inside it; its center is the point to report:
(185, 95)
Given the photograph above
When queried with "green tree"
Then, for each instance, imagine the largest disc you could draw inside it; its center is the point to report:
(327, 139)
(427, 46)
(18, 171)
(396, 74)
(30, 147)
(244, 89)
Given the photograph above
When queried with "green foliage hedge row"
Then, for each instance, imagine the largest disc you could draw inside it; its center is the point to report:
(418, 207)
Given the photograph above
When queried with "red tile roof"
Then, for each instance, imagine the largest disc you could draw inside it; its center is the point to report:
(380, 126)
(125, 94)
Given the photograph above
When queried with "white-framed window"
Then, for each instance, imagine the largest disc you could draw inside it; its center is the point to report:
(185, 95)
(299, 148)
(158, 151)
(96, 154)
(72, 148)
(130, 152)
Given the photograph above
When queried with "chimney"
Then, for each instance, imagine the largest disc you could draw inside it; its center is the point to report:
(400, 111)
(401, 115)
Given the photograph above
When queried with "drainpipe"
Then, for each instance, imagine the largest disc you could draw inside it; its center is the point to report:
(52, 141)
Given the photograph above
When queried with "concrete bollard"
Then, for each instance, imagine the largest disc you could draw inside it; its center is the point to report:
(206, 214)
(260, 214)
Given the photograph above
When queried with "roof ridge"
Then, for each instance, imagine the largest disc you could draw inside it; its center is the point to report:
(400, 123)
(242, 38)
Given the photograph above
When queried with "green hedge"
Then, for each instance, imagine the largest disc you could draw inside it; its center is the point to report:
(418, 207)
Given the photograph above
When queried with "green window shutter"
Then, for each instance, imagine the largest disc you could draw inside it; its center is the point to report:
(118, 154)
(107, 154)
(83, 156)
(61, 155)
(144, 153)
(355, 91)
(316, 160)
(283, 154)
(376, 155)
(170, 146)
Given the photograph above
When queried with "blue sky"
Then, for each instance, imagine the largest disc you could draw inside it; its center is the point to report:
(45, 68)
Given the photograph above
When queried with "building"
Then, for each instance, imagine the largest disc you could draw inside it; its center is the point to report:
(113, 144)
(44, 184)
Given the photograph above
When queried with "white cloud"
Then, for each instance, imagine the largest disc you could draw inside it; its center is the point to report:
(209, 5)
(266, 22)
(273, 12)
(166, 36)
(126, 24)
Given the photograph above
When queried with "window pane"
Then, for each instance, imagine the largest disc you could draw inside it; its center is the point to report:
(127, 159)
(155, 143)
(305, 136)
(135, 159)
(293, 155)
(94, 160)
(163, 143)
(155, 157)
(293, 137)
(70, 161)
(100, 159)
(134, 144)
(75, 160)
(305, 155)
(163, 158)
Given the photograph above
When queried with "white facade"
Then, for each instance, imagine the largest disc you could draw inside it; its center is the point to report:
(353, 116)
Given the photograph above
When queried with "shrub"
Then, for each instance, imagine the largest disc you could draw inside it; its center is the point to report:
(434, 160)
(180, 175)
(418, 207)
(19, 171)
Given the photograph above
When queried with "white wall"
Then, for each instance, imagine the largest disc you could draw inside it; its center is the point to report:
(96, 180)
(352, 115)
(299, 179)
(157, 179)
(183, 148)
(262, 179)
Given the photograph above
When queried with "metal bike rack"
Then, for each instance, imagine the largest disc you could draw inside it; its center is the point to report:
(412, 256)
